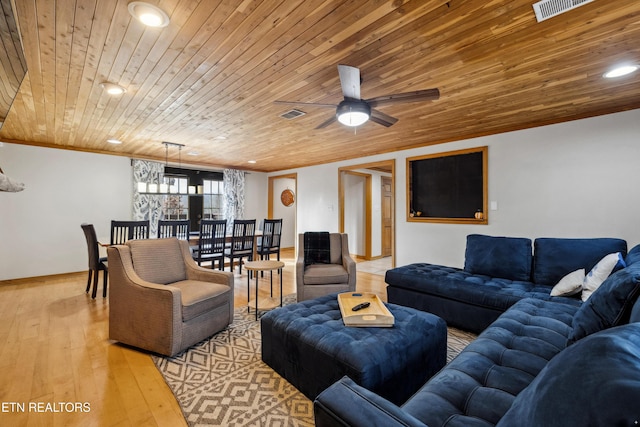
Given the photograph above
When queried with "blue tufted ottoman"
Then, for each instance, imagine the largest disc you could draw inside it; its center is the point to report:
(307, 344)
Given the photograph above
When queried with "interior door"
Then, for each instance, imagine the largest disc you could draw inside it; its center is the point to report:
(387, 215)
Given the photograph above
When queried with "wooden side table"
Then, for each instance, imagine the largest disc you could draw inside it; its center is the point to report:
(266, 303)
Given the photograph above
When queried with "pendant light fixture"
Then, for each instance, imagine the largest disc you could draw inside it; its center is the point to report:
(179, 186)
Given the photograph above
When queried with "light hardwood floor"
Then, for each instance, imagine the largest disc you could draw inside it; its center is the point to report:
(58, 367)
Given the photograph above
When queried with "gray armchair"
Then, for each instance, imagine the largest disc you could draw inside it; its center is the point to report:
(161, 300)
(315, 280)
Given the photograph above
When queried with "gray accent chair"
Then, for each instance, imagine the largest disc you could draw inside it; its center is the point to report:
(161, 300)
(316, 280)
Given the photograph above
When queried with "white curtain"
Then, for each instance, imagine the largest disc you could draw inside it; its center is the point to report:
(233, 206)
(147, 206)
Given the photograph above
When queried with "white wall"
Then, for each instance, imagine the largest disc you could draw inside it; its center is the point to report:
(255, 196)
(40, 230)
(575, 179)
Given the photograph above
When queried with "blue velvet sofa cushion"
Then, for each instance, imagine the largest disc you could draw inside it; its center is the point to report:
(610, 305)
(479, 385)
(633, 256)
(635, 312)
(503, 257)
(595, 382)
(459, 285)
(554, 258)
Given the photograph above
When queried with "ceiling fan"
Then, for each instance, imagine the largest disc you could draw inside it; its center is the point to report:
(354, 111)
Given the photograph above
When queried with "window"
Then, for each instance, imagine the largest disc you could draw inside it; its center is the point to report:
(176, 206)
(213, 191)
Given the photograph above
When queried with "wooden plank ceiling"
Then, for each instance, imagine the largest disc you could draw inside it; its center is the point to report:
(208, 80)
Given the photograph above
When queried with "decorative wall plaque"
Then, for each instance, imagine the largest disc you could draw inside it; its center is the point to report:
(287, 197)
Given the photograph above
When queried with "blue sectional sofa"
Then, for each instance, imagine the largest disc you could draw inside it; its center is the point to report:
(498, 272)
(544, 361)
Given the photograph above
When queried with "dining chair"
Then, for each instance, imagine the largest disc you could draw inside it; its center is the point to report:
(96, 264)
(269, 243)
(242, 238)
(122, 231)
(173, 228)
(211, 243)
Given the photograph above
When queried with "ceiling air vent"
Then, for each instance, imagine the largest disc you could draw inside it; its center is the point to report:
(292, 114)
(546, 9)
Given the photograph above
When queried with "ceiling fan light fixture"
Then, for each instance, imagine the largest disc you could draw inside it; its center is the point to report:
(353, 113)
(148, 14)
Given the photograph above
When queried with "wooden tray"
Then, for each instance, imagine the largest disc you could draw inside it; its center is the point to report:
(376, 315)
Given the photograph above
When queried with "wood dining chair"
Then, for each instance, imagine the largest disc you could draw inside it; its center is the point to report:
(242, 238)
(211, 242)
(269, 243)
(122, 231)
(173, 228)
(96, 264)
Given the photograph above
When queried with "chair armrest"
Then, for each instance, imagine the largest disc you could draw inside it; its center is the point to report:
(196, 272)
(346, 403)
(349, 264)
(300, 276)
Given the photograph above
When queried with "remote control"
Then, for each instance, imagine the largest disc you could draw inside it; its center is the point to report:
(361, 306)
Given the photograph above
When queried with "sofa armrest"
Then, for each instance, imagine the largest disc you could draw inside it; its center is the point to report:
(347, 403)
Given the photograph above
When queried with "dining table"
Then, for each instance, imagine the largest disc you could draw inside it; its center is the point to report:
(194, 238)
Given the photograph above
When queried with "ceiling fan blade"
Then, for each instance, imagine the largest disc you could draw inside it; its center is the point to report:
(350, 81)
(310, 104)
(327, 122)
(399, 98)
(381, 118)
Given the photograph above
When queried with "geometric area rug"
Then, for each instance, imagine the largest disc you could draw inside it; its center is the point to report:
(222, 381)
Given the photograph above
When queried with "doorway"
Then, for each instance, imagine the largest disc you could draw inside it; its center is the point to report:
(282, 203)
(377, 204)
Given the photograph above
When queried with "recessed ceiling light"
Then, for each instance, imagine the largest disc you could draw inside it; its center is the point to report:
(148, 14)
(620, 71)
(220, 138)
(193, 153)
(252, 161)
(112, 88)
(114, 141)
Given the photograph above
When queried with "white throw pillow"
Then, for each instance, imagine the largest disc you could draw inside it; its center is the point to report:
(570, 284)
(599, 273)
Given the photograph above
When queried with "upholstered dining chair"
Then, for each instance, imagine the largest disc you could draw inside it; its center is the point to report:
(96, 263)
(122, 231)
(211, 242)
(173, 228)
(242, 238)
(161, 300)
(323, 265)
